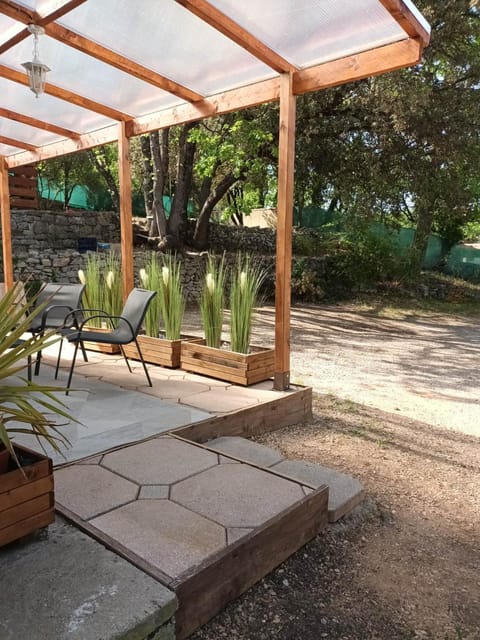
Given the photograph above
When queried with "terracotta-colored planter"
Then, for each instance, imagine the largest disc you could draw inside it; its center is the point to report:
(159, 351)
(239, 368)
(26, 496)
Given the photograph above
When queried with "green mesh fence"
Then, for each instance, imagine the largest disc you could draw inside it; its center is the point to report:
(464, 262)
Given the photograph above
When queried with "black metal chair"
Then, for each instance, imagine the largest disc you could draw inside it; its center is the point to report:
(61, 300)
(128, 325)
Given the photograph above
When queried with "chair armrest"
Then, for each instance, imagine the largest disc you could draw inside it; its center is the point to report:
(51, 308)
(105, 316)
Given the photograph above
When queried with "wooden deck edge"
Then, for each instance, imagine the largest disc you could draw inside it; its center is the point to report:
(205, 590)
(262, 418)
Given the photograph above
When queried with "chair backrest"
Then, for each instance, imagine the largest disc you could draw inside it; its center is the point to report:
(65, 296)
(134, 311)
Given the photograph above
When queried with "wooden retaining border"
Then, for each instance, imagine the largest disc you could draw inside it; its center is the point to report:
(289, 408)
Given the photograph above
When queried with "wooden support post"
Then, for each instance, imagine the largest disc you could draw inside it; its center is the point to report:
(6, 225)
(286, 157)
(126, 230)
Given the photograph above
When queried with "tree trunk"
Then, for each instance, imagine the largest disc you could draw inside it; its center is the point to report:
(177, 222)
(200, 236)
(425, 213)
(160, 157)
(147, 185)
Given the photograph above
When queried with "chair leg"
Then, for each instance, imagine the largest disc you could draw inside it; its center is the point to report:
(38, 358)
(29, 368)
(71, 368)
(143, 363)
(84, 353)
(125, 358)
(57, 367)
(58, 358)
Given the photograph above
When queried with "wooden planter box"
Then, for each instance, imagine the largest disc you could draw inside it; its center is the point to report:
(26, 499)
(159, 351)
(239, 368)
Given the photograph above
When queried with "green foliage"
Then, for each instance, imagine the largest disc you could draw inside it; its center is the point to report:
(150, 277)
(25, 407)
(471, 231)
(112, 277)
(212, 301)
(169, 301)
(172, 300)
(92, 277)
(246, 283)
(306, 281)
(103, 285)
(364, 258)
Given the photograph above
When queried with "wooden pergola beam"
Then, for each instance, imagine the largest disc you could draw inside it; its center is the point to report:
(126, 227)
(18, 143)
(67, 96)
(38, 124)
(97, 51)
(407, 20)
(349, 69)
(356, 67)
(221, 22)
(14, 10)
(286, 160)
(6, 225)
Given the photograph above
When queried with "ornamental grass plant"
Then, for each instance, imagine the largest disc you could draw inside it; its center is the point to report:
(172, 299)
(168, 306)
(150, 277)
(246, 283)
(212, 301)
(103, 285)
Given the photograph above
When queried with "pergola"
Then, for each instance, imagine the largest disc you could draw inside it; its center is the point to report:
(122, 68)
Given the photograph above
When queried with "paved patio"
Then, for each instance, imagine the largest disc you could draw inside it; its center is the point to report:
(206, 521)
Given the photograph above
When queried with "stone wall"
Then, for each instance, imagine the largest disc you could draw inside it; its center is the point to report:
(231, 238)
(47, 230)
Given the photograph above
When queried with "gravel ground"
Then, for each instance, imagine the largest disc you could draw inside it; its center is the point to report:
(396, 405)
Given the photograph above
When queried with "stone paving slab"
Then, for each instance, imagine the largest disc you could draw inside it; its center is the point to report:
(345, 491)
(247, 450)
(63, 585)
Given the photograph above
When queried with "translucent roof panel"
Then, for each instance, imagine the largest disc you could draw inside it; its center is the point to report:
(292, 28)
(26, 133)
(84, 75)
(19, 98)
(167, 38)
(200, 53)
(8, 28)
(7, 150)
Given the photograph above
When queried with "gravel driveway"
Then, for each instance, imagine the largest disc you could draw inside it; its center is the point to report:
(424, 367)
(395, 403)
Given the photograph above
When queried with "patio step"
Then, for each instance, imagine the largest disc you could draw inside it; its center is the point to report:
(345, 491)
(62, 584)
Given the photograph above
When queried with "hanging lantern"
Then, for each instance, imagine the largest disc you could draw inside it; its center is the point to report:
(36, 70)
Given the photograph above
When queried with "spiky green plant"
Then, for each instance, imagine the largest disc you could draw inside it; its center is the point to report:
(246, 283)
(91, 277)
(26, 407)
(171, 298)
(150, 277)
(212, 301)
(112, 285)
(103, 285)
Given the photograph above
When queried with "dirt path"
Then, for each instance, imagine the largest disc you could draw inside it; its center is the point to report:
(406, 565)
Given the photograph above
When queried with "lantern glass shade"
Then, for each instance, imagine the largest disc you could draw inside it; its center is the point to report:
(37, 73)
